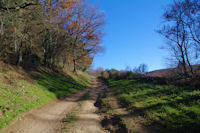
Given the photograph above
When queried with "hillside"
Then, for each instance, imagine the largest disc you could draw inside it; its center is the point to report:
(21, 91)
(160, 73)
(169, 72)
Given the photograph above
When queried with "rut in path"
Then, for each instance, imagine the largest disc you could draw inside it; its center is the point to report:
(88, 119)
(47, 119)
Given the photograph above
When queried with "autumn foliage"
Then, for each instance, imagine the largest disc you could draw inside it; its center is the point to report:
(54, 33)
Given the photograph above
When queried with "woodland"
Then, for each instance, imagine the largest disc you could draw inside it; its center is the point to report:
(54, 33)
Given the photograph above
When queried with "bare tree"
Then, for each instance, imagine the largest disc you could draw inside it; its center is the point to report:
(191, 18)
(179, 34)
(141, 69)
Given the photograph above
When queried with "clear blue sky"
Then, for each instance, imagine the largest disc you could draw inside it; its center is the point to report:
(130, 38)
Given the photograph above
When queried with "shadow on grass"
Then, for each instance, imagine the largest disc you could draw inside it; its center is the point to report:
(61, 85)
(185, 121)
(174, 115)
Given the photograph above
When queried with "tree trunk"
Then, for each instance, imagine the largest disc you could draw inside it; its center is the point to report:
(2, 24)
(64, 61)
(183, 63)
(75, 58)
(19, 54)
(74, 65)
(187, 58)
(16, 49)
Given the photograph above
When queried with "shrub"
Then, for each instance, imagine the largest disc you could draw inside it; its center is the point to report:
(105, 74)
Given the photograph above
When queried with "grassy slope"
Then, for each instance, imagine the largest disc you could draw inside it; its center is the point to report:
(175, 109)
(20, 92)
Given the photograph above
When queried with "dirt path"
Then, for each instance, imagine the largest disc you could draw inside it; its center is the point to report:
(47, 119)
(117, 119)
(88, 119)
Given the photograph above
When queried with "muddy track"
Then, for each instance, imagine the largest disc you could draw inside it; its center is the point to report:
(47, 119)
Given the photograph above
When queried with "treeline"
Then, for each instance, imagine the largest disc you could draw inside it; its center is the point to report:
(181, 29)
(54, 33)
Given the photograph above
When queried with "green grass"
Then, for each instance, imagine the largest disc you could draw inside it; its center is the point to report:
(170, 108)
(62, 85)
(19, 92)
(71, 117)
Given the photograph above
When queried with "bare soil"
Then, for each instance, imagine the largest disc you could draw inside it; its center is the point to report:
(48, 119)
(88, 119)
(117, 119)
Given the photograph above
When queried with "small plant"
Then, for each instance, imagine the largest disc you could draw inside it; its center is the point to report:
(70, 117)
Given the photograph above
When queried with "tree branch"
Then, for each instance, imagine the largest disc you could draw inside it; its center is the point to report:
(18, 7)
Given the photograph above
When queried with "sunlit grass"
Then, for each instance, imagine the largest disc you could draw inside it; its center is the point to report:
(19, 92)
(175, 108)
(20, 97)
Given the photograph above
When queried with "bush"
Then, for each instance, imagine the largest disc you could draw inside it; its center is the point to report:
(118, 75)
(105, 74)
